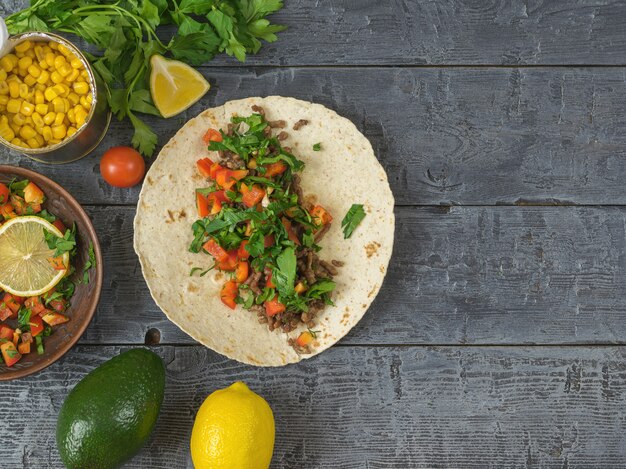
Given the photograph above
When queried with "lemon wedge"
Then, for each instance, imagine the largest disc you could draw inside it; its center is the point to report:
(175, 85)
(25, 269)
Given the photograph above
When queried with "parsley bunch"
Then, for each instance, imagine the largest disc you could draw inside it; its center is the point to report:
(126, 32)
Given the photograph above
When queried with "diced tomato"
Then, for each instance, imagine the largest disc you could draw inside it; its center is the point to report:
(269, 241)
(34, 304)
(212, 135)
(215, 250)
(274, 307)
(215, 167)
(226, 178)
(4, 194)
(320, 215)
(59, 305)
(290, 231)
(275, 169)
(220, 196)
(268, 281)
(52, 319)
(204, 167)
(242, 252)
(60, 225)
(57, 263)
(229, 293)
(304, 339)
(252, 195)
(202, 204)
(12, 302)
(10, 354)
(35, 208)
(36, 325)
(5, 312)
(242, 272)
(7, 212)
(24, 348)
(33, 194)
(300, 288)
(16, 338)
(229, 264)
(19, 205)
(215, 202)
(6, 332)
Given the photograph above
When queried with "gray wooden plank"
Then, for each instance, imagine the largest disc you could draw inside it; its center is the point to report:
(355, 407)
(470, 275)
(447, 136)
(407, 32)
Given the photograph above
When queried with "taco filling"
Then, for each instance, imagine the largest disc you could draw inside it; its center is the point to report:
(260, 230)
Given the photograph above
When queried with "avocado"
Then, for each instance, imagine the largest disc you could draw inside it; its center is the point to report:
(111, 412)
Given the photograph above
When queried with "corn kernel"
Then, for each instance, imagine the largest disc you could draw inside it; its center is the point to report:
(85, 75)
(43, 65)
(6, 64)
(43, 77)
(4, 120)
(3, 74)
(4, 88)
(22, 72)
(59, 131)
(4, 99)
(23, 46)
(56, 77)
(59, 119)
(50, 94)
(50, 59)
(53, 45)
(30, 80)
(41, 108)
(2, 108)
(34, 70)
(19, 55)
(29, 121)
(7, 133)
(18, 142)
(27, 132)
(80, 87)
(33, 143)
(23, 87)
(24, 63)
(72, 76)
(71, 116)
(49, 118)
(39, 97)
(14, 105)
(64, 50)
(59, 60)
(54, 141)
(37, 121)
(46, 133)
(61, 89)
(86, 101)
(40, 140)
(76, 63)
(71, 131)
(19, 120)
(40, 53)
(73, 98)
(58, 105)
(30, 53)
(14, 89)
(65, 69)
(27, 108)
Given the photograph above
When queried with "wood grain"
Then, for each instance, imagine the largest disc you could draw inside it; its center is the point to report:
(470, 275)
(445, 136)
(450, 32)
(354, 407)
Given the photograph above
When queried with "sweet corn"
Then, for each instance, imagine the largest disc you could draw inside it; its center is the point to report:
(65, 69)
(27, 132)
(71, 131)
(24, 63)
(71, 116)
(59, 131)
(30, 80)
(29, 121)
(27, 108)
(40, 140)
(59, 105)
(64, 50)
(37, 121)
(7, 133)
(56, 77)
(80, 87)
(43, 78)
(39, 98)
(54, 141)
(19, 120)
(24, 90)
(4, 88)
(16, 141)
(58, 119)
(14, 89)
(40, 53)
(3, 74)
(43, 64)
(73, 98)
(59, 61)
(33, 143)
(46, 133)
(53, 45)
(34, 70)
(81, 116)
(42, 109)
(50, 94)
(61, 89)
(49, 118)
(49, 58)
(23, 46)
(4, 120)
(72, 76)
(14, 105)
(4, 99)
(6, 64)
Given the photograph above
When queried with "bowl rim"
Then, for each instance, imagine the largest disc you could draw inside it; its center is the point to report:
(88, 313)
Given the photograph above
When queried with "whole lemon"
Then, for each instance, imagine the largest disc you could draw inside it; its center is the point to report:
(234, 429)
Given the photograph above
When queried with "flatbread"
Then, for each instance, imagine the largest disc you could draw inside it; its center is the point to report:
(345, 171)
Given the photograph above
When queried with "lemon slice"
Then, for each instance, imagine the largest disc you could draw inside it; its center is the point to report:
(175, 85)
(24, 253)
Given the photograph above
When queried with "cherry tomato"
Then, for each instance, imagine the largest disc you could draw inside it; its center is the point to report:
(122, 166)
(4, 194)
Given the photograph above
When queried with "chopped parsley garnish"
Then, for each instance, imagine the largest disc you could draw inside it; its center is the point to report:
(202, 271)
(317, 147)
(89, 264)
(64, 244)
(355, 215)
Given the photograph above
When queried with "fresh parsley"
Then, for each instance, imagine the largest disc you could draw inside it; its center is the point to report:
(201, 270)
(89, 264)
(317, 147)
(61, 245)
(129, 34)
(284, 274)
(355, 215)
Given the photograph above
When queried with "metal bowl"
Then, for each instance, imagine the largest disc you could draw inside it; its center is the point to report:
(91, 133)
(85, 299)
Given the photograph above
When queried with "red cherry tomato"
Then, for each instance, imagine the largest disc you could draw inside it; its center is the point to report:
(122, 166)
(4, 194)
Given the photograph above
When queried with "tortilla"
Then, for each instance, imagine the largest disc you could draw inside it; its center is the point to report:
(345, 171)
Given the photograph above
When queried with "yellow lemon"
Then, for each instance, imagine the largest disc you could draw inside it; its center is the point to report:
(234, 429)
(175, 85)
(25, 267)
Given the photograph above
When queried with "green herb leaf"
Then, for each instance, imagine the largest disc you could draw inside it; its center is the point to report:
(89, 264)
(202, 272)
(355, 215)
(23, 319)
(317, 147)
(284, 274)
(39, 342)
(61, 245)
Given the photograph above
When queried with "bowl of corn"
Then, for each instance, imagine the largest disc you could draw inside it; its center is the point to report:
(52, 105)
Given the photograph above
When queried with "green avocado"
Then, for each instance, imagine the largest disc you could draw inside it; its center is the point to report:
(110, 414)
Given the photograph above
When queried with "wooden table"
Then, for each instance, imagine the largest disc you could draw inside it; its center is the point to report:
(498, 337)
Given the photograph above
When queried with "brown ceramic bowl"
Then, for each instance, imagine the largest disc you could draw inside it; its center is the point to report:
(83, 304)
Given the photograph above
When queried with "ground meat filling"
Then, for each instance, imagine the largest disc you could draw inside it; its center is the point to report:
(310, 268)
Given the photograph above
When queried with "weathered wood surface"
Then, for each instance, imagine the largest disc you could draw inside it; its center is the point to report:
(473, 275)
(445, 136)
(384, 407)
(423, 32)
